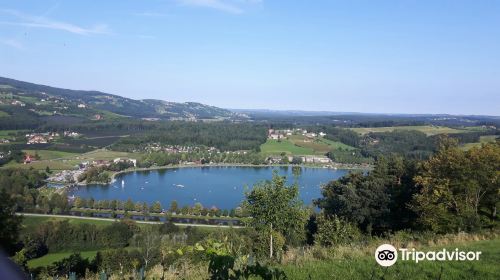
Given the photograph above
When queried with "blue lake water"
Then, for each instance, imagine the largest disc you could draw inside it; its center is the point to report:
(223, 187)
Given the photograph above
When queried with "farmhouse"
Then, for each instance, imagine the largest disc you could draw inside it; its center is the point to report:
(37, 139)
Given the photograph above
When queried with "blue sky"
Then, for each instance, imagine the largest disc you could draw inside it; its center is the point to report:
(357, 56)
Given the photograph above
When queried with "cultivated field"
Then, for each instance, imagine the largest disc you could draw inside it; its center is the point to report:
(57, 160)
(276, 147)
(427, 129)
(301, 145)
(50, 154)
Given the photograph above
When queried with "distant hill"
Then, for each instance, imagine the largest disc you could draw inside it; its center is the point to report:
(46, 100)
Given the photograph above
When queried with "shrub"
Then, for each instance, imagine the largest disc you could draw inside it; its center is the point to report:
(333, 231)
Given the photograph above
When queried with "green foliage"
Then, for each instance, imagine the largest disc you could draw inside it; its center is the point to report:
(348, 156)
(275, 207)
(9, 223)
(408, 143)
(61, 235)
(459, 189)
(156, 207)
(374, 202)
(224, 265)
(118, 260)
(18, 181)
(224, 136)
(74, 263)
(335, 231)
(94, 175)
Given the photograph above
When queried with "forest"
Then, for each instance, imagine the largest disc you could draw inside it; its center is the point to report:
(452, 191)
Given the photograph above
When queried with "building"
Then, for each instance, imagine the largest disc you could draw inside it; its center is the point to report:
(37, 139)
(27, 159)
(83, 106)
(275, 136)
(71, 134)
(18, 103)
(134, 161)
(316, 159)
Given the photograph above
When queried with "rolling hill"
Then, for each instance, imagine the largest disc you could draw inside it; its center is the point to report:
(42, 100)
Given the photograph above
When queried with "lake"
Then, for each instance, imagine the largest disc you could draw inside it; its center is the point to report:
(222, 187)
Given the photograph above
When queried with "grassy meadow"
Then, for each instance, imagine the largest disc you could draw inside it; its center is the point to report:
(59, 160)
(427, 129)
(276, 147)
(54, 257)
(301, 145)
(359, 263)
(50, 154)
(482, 140)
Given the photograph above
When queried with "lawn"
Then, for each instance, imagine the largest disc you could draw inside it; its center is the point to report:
(337, 144)
(30, 223)
(482, 140)
(365, 267)
(42, 164)
(319, 148)
(106, 155)
(49, 154)
(276, 147)
(7, 132)
(58, 160)
(54, 257)
(427, 129)
(301, 145)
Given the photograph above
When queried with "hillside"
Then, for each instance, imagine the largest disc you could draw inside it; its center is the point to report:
(40, 100)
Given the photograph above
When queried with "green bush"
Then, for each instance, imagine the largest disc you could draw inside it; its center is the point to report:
(334, 231)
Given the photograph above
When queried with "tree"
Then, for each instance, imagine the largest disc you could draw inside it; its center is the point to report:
(375, 202)
(78, 202)
(149, 244)
(357, 198)
(198, 207)
(156, 207)
(275, 208)
(9, 223)
(129, 205)
(333, 231)
(174, 207)
(138, 207)
(455, 185)
(113, 204)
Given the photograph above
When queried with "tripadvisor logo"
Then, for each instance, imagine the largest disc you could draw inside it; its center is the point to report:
(387, 255)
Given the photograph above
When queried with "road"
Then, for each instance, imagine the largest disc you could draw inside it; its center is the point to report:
(114, 220)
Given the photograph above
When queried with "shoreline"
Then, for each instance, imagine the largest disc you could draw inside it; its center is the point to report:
(115, 174)
(177, 166)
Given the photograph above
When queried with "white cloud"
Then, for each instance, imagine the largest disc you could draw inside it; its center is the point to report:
(12, 43)
(229, 6)
(42, 22)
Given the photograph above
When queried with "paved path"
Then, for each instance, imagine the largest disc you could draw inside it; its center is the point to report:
(114, 220)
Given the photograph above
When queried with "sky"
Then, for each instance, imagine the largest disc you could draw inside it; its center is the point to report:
(406, 56)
